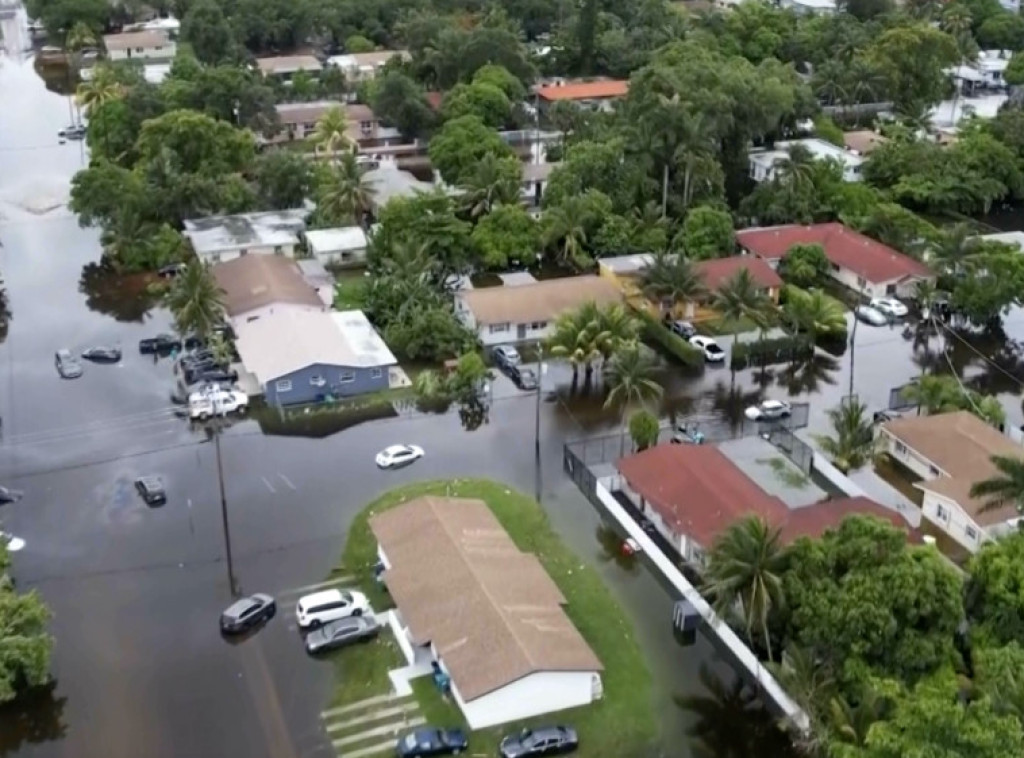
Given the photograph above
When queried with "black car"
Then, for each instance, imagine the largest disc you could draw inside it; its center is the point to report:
(161, 343)
(9, 495)
(524, 378)
(215, 374)
(194, 342)
(880, 417)
(431, 740)
(67, 365)
(546, 740)
(342, 632)
(102, 354)
(74, 132)
(151, 488)
(249, 612)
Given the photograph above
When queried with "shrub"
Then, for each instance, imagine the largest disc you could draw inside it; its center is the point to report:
(671, 343)
(777, 350)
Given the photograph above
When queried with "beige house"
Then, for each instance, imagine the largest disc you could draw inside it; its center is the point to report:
(298, 120)
(951, 452)
(149, 44)
(258, 286)
(361, 67)
(287, 66)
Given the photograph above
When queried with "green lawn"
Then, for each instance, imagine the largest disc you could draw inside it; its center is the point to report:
(350, 292)
(615, 725)
(719, 326)
(361, 671)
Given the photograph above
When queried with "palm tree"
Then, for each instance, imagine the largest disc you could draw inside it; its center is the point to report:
(489, 186)
(79, 37)
(196, 301)
(814, 313)
(331, 133)
(344, 194)
(102, 88)
(933, 394)
(671, 278)
(955, 248)
(630, 382)
(828, 81)
(745, 570)
(796, 169)
(1005, 488)
(577, 338)
(852, 443)
(616, 327)
(565, 227)
(740, 297)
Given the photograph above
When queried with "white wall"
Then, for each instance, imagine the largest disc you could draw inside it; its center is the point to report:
(953, 520)
(916, 463)
(166, 51)
(514, 333)
(230, 255)
(533, 695)
(335, 256)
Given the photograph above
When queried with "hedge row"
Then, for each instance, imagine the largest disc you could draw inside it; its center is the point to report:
(777, 350)
(675, 346)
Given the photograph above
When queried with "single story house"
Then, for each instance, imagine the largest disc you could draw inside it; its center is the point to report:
(693, 493)
(951, 452)
(857, 261)
(149, 44)
(304, 356)
(361, 67)
(598, 94)
(298, 121)
(863, 141)
(257, 286)
(986, 72)
(342, 245)
(527, 312)
(221, 238)
(764, 163)
(286, 66)
(487, 613)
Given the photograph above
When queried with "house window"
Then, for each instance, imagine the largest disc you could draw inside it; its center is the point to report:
(366, 125)
(933, 471)
(497, 328)
(317, 380)
(278, 250)
(861, 282)
(835, 268)
(942, 513)
(901, 448)
(697, 555)
(283, 385)
(538, 325)
(346, 255)
(376, 373)
(345, 377)
(972, 533)
(138, 51)
(243, 251)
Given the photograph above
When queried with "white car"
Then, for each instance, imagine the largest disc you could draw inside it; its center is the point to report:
(317, 609)
(398, 455)
(507, 355)
(14, 544)
(871, 316)
(768, 410)
(204, 404)
(712, 352)
(889, 306)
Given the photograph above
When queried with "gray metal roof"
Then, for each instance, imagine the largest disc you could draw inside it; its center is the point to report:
(215, 234)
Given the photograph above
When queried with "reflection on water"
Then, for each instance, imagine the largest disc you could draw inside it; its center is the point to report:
(806, 376)
(731, 400)
(610, 542)
(126, 298)
(318, 423)
(37, 716)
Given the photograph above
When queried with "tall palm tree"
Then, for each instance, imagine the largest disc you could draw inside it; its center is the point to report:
(1004, 488)
(814, 313)
(852, 442)
(565, 228)
(196, 300)
(740, 298)
(489, 185)
(933, 394)
(343, 193)
(616, 328)
(101, 88)
(577, 337)
(745, 569)
(630, 382)
(955, 248)
(331, 133)
(671, 278)
(828, 81)
(79, 37)
(796, 169)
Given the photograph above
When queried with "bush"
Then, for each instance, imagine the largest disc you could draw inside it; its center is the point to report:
(778, 350)
(671, 343)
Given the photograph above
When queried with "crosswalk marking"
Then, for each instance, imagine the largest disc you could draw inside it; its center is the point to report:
(338, 581)
(363, 704)
(371, 716)
(381, 731)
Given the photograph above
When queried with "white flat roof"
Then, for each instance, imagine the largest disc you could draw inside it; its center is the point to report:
(817, 4)
(1007, 238)
(950, 112)
(336, 240)
(819, 148)
(215, 234)
(626, 264)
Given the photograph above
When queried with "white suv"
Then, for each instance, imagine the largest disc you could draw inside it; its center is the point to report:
(889, 306)
(314, 610)
(202, 405)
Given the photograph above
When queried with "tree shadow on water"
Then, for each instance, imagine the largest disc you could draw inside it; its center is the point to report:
(126, 298)
(37, 716)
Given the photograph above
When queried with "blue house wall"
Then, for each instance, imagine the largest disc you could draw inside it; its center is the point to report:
(320, 381)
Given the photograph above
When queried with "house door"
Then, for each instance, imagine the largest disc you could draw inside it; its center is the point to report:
(521, 331)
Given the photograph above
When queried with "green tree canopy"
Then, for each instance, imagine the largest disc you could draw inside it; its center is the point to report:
(399, 101)
(804, 266)
(481, 99)
(460, 144)
(995, 597)
(708, 233)
(207, 31)
(507, 233)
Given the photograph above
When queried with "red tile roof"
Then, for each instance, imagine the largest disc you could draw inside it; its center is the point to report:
(718, 271)
(814, 520)
(876, 262)
(584, 90)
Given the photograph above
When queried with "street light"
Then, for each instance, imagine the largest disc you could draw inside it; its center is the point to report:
(536, 422)
(214, 430)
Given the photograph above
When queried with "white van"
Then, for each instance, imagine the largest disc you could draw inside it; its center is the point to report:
(203, 405)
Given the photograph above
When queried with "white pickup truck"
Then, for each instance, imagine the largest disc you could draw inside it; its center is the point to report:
(203, 405)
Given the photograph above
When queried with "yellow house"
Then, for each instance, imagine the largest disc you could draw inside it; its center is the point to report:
(626, 271)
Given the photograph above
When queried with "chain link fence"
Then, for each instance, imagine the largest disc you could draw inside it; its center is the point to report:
(902, 398)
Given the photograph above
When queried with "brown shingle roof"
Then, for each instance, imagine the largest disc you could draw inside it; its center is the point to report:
(717, 271)
(306, 113)
(961, 446)
(491, 611)
(287, 64)
(602, 89)
(863, 141)
(253, 281)
(542, 301)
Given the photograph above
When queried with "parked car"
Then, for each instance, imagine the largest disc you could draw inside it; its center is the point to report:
(194, 342)
(14, 544)
(204, 405)
(73, 132)
(712, 352)
(880, 417)
(683, 328)
(9, 495)
(247, 613)
(67, 365)
(315, 610)
(214, 373)
(342, 632)
(102, 354)
(398, 455)
(546, 740)
(890, 306)
(162, 343)
(151, 489)
(431, 740)
(768, 410)
(524, 378)
(506, 355)
(171, 270)
(870, 315)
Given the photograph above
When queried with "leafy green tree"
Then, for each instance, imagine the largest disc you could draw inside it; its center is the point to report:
(493, 181)
(745, 573)
(1003, 489)
(399, 101)
(206, 30)
(343, 196)
(567, 228)
(644, 429)
(357, 43)
(589, 165)
(1004, 31)
(630, 378)
(999, 675)
(460, 144)
(25, 646)
(934, 393)
(227, 92)
(852, 442)
(101, 88)
(468, 378)
(914, 58)
(813, 313)
(427, 331)
(428, 221)
(101, 193)
(196, 301)
(708, 233)
(59, 17)
(115, 124)
(804, 266)
(331, 133)
(577, 338)
(284, 179)
(671, 279)
(995, 595)
(991, 287)
(500, 77)
(195, 144)
(481, 99)
(507, 233)
(1014, 74)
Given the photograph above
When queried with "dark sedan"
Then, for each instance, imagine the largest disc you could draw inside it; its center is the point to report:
(212, 374)
(9, 495)
(524, 378)
(342, 632)
(161, 343)
(102, 354)
(431, 740)
(546, 740)
(247, 613)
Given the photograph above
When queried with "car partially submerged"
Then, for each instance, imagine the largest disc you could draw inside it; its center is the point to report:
(547, 740)
(102, 354)
(246, 613)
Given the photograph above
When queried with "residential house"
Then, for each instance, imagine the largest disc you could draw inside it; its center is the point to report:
(857, 261)
(535, 181)
(986, 72)
(298, 121)
(221, 238)
(361, 67)
(527, 312)
(153, 73)
(304, 356)
(150, 44)
(342, 245)
(284, 67)
(258, 286)
(951, 452)
(863, 141)
(809, 7)
(627, 272)
(388, 182)
(763, 164)
(693, 493)
(598, 95)
(470, 601)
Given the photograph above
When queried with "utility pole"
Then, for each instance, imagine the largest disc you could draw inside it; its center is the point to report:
(236, 590)
(536, 422)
